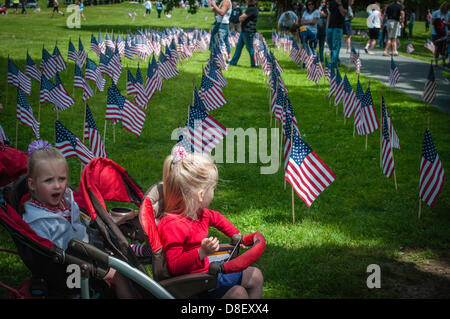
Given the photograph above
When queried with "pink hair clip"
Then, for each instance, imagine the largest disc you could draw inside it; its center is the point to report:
(178, 153)
(37, 145)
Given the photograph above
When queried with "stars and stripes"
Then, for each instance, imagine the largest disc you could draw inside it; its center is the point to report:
(429, 93)
(55, 93)
(339, 91)
(80, 82)
(25, 113)
(211, 95)
(94, 74)
(153, 80)
(17, 78)
(306, 172)
(350, 102)
(368, 116)
(387, 159)
(166, 67)
(32, 70)
(92, 134)
(332, 83)
(70, 145)
(356, 60)
(432, 175)
(394, 74)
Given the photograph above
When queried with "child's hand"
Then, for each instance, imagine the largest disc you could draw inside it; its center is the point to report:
(208, 246)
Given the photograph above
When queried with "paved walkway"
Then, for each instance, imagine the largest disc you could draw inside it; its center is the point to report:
(413, 73)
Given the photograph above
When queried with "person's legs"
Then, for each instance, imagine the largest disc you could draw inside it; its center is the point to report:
(238, 51)
(248, 40)
(213, 39)
(321, 40)
(250, 287)
(337, 38)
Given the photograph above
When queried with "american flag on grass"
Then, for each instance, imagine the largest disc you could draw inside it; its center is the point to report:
(80, 82)
(166, 67)
(211, 95)
(394, 137)
(332, 83)
(72, 52)
(295, 52)
(81, 54)
(409, 47)
(432, 175)
(356, 60)
(55, 93)
(278, 102)
(394, 75)
(59, 61)
(387, 159)
(129, 53)
(70, 145)
(215, 74)
(198, 103)
(140, 97)
(91, 133)
(94, 74)
(18, 78)
(429, 45)
(339, 91)
(32, 70)
(368, 116)
(101, 44)
(25, 113)
(119, 108)
(315, 73)
(327, 70)
(205, 132)
(306, 172)
(289, 122)
(153, 81)
(359, 97)
(94, 45)
(350, 102)
(429, 92)
(48, 65)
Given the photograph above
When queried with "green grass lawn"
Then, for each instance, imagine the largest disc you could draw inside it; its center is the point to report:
(359, 220)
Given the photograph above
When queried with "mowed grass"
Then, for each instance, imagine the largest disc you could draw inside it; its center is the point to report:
(360, 219)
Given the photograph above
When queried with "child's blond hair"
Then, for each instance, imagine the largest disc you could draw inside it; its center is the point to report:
(183, 179)
(42, 154)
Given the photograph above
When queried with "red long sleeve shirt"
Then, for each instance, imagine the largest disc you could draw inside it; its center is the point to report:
(181, 238)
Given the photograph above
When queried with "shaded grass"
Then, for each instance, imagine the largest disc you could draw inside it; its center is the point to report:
(359, 220)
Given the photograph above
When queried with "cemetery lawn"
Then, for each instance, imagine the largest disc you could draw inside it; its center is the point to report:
(359, 220)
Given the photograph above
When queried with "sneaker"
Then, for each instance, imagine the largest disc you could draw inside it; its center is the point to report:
(365, 50)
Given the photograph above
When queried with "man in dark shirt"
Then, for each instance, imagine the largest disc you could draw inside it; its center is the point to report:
(338, 11)
(248, 24)
(395, 21)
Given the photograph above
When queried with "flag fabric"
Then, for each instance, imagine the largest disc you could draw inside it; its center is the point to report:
(48, 65)
(306, 172)
(356, 60)
(94, 45)
(315, 73)
(368, 116)
(55, 93)
(3, 139)
(153, 80)
(387, 159)
(327, 70)
(290, 129)
(25, 113)
(72, 53)
(59, 61)
(359, 97)
(32, 70)
(79, 81)
(432, 175)
(278, 102)
(70, 145)
(131, 116)
(332, 83)
(198, 103)
(339, 91)
(166, 67)
(205, 132)
(349, 101)
(17, 78)
(409, 47)
(429, 92)
(91, 133)
(94, 74)
(429, 45)
(81, 54)
(394, 138)
(394, 75)
(211, 95)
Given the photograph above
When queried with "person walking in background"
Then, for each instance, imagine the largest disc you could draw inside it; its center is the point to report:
(374, 24)
(383, 28)
(338, 11)
(15, 5)
(248, 22)
(221, 27)
(309, 20)
(412, 19)
(159, 8)
(235, 24)
(440, 21)
(395, 20)
(348, 25)
(81, 7)
(148, 7)
(322, 28)
(56, 8)
(428, 21)
(288, 21)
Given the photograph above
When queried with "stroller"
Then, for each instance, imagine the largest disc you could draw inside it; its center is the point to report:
(104, 180)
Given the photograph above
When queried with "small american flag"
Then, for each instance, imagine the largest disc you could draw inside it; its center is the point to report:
(429, 92)
(81, 54)
(368, 116)
(72, 53)
(409, 47)
(153, 81)
(387, 160)
(215, 74)
(166, 67)
(129, 53)
(211, 95)
(359, 97)
(94, 74)
(339, 91)
(48, 65)
(278, 102)
(289, 121)
(198, 103)
(205, 132)
(394, 75)
(306, 172)
(94, 45)
(332, 83)
(25, 113)
(70, 145)
(59, 61)
(315, 73)
(79, 81)
(131, 116)
(356, 60)
(429, 45)
(91, 133)
(432, 175)
(327, 70)
(17, 78)
(394, 137)
(55, 93)
(350, 101)
(140, 97)
(32, 70)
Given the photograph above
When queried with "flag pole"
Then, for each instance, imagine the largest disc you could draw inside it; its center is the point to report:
(292, 188)
(420, 199)
(6, 95)
(381, 124)
(392, 151)
(17, 133)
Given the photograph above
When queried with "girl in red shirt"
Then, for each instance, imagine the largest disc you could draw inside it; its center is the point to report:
(189, 180)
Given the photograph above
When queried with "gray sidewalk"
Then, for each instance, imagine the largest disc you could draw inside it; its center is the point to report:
(413, 73)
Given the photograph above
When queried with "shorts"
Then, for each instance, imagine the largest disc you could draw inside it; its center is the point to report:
(224, 283)
(393, 29)
(374, 33)
(347, 27)
(148, 11)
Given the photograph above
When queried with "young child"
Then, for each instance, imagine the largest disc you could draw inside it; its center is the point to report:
(52, 212)
(189, 181)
